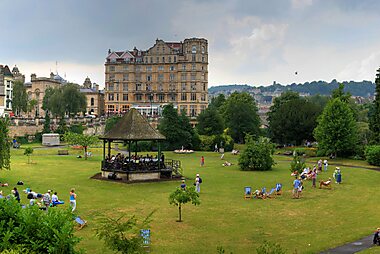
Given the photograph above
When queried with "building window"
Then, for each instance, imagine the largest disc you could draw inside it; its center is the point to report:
(160, 77)
(183, 86)
(193, 67)
(204, 87)
(160, 68)
(193, 110)
(161, 97)
(92, 101)
(183, 76)
(172, 97)
(138, 68)
(148, 78)
(125, 97)
(112, 77)
(193, 96)
(149, 68)
(138, 87)
(138, 77)
(163, 59)
(125, 87)
(203, 49)
(125, 77)
(203, 59)
(157, 59)
(203, 97)
(171, 87)
(110, 87)
(112, 68)
(193, 87)
(193, 76)
(183, 108)
(203, 108)
(148, 87)
(111, 97)
(184, 96)
(193, 57)
(151, 59)
(175, 59)
(160, 88)
(194, 49)
(172, 77)
(138, 97)
(170, 59)
(125, 108)
(172, 68)
(184, 67)
(111, 108)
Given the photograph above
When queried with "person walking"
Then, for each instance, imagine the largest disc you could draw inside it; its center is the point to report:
(73, 200)
(202, 161)
(296, 185)
(314, 177)
(325, 164)
(16, 194)
(198, 181)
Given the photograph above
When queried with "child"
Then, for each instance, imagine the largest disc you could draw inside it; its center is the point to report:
(202, 161)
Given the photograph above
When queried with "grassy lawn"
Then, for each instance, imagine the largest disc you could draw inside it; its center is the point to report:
(320, 220)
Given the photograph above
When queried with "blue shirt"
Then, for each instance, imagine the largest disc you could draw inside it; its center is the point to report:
(296, 184)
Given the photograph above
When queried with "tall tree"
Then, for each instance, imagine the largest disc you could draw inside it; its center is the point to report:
(218, 101)
(19, 98)
(241, 118)
(337, 130)
(32, 105)
(374, 120)
(73, 99)
(293, 119)
(5, 144)
(210, 122)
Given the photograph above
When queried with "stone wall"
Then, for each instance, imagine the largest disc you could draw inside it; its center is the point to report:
(20, 131)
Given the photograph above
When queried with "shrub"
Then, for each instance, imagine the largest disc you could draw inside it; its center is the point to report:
(76, 128)
(36, 230)
(208, 142)
(298, 164)
(309, 152)
(270, 248)
(372, 154)
(257, 155)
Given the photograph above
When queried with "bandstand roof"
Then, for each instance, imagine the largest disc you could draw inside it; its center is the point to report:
(133, 126)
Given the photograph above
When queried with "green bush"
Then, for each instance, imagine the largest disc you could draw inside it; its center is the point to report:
(372, 155)
(257, 155)
(298, 164)
(270, 248)
(76, 128)
(309, 152)
(36, 230)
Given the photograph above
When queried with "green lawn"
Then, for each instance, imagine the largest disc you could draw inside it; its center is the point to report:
(320, 220)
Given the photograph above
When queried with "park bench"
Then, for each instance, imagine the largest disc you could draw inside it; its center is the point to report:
(63, 152)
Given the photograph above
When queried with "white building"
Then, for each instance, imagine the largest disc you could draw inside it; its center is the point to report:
(6, 90)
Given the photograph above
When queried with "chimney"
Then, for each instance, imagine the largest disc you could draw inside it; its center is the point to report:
(33, 77)
(109, 51)
(97, 87)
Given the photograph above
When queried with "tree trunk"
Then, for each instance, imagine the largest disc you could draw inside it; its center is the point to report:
(85, 152)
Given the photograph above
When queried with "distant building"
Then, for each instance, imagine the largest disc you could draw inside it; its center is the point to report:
(6, 90)
(17, 75)
(36, 90)
(94, 97)
(168, 72)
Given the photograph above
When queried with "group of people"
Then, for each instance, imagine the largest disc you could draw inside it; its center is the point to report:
(197, 183)
(136, 162)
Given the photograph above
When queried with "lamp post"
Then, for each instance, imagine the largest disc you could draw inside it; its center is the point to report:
(151, 106)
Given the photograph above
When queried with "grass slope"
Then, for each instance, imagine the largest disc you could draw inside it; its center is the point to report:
(320, 220)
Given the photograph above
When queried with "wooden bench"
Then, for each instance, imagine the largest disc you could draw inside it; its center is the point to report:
(63, 152)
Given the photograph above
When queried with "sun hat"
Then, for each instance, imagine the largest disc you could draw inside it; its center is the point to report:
(49, 190)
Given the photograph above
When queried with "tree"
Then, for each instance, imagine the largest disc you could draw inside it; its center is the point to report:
(32, 105)
(257, 155)
(339, 93)
(218, 102)
(46, 123)
(19, 98)
(337, 130)
(73, 99)
(28, 152)
(111, 121)
(297, 164)
(176, 128)
(5, 144)
(123, 236)
(374, 120)
(182, 196)
(292, 119)
(210, 122)
(241, 118)
(81, 139)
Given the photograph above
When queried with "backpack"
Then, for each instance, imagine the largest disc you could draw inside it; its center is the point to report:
(46, 199)
(200, 180)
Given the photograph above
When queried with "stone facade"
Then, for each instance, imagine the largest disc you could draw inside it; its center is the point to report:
(168, 72)
(94, 97)
(6, 90)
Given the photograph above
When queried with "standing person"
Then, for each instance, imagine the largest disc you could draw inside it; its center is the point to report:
(314, 177)
(325, 164)
(198, 182)
(16, 194)
(73, 200)
(320, 165)
(202, 161)
(338, 176)
(183, 185)
(296, 185)
(376, 238)
(46, 199)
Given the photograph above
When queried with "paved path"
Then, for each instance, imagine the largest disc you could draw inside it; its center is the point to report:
(353, 247)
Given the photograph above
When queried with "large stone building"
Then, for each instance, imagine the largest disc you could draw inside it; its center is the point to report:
(168, 72)
(94, 97)
(6, 90)
(36, 90)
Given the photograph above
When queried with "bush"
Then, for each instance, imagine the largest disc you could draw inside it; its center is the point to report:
(257, 155)
(298, 164)
(76, 128)
(36, 230)
(270, 248)
(372, 155)
(309, 152)
(208, 142)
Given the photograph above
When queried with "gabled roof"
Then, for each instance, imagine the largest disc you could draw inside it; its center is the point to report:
(133, 126)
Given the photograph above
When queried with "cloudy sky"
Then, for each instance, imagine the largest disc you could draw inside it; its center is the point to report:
(250, 42)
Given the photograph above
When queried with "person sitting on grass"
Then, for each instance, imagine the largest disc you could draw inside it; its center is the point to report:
(227, 164)
(55, 201)
(376, 238)
(325, 183)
